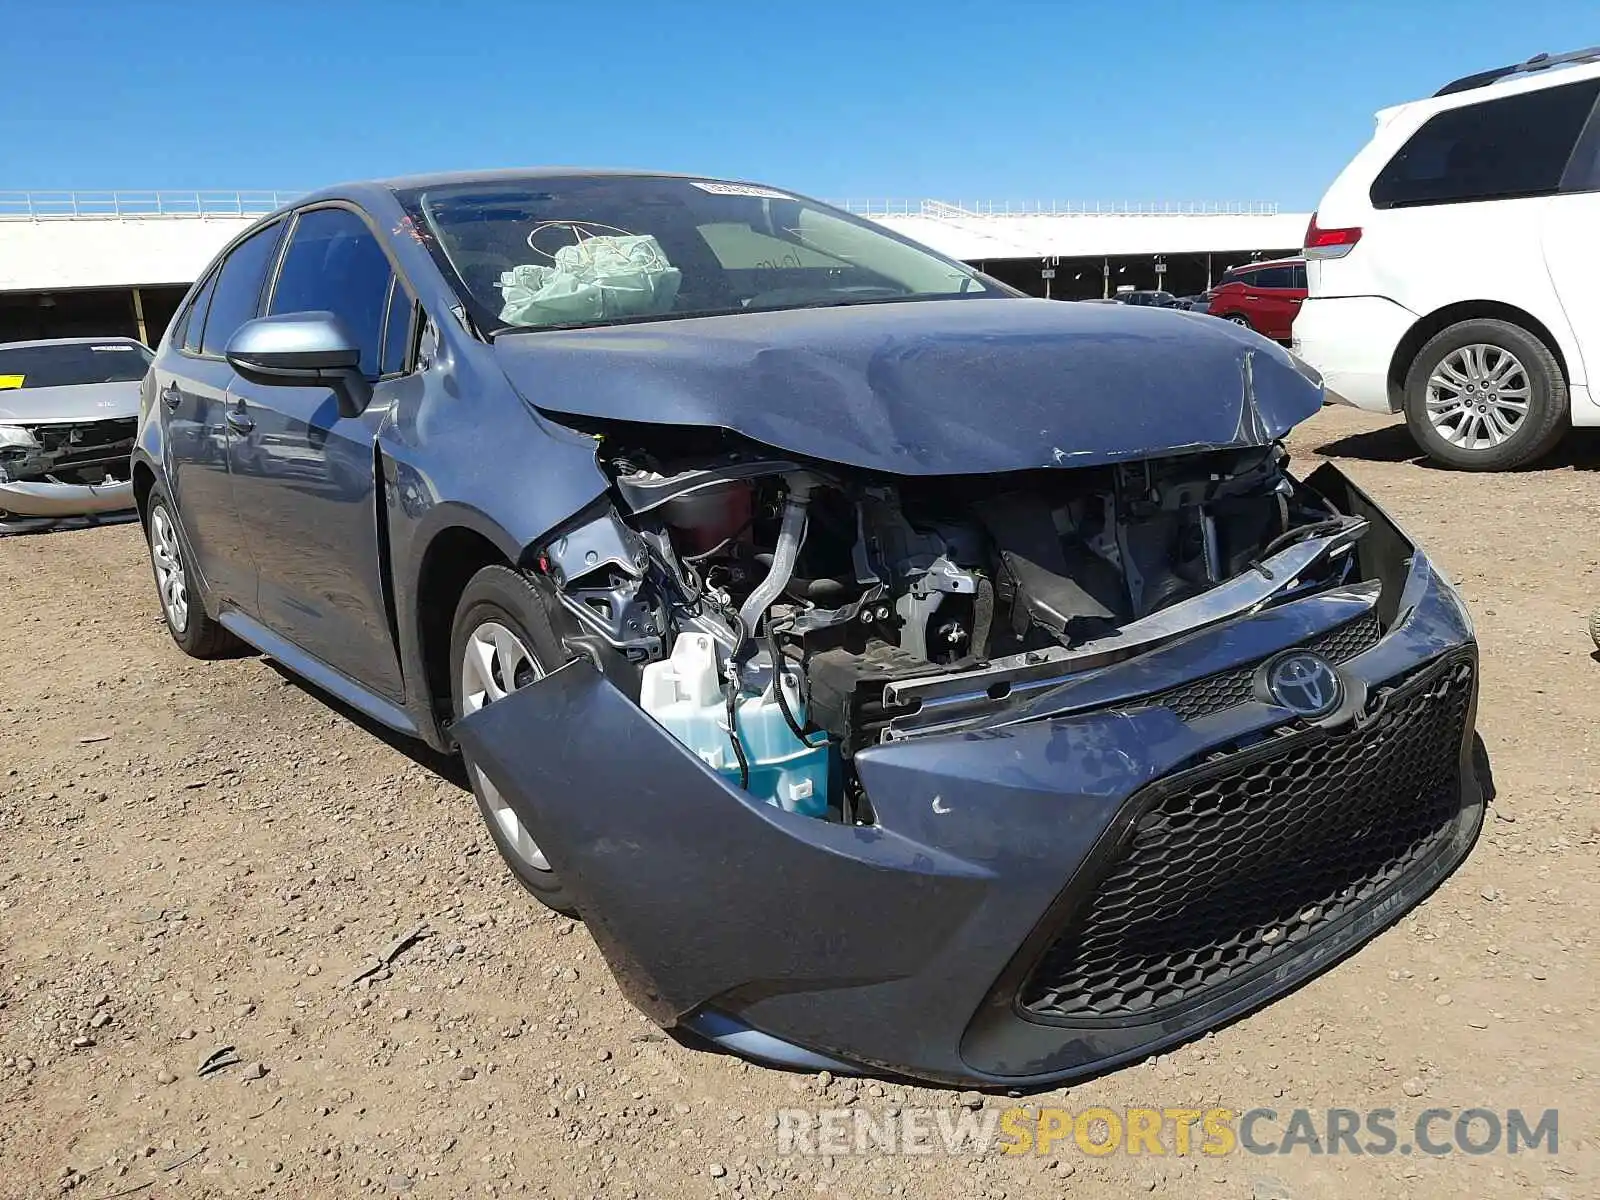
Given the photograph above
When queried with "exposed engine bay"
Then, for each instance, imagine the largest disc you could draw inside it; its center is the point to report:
(778, 617)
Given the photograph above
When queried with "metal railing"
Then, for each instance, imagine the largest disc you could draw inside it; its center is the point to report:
(121, 206)
(1059, 208)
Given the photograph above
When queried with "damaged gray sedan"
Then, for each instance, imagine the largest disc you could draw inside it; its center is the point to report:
(897, 673)
(68, 411)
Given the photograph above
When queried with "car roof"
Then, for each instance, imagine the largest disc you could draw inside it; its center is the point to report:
(1537, 64)
(402, 183)
(368, 191)
(73, 341)
(406, 183)
(1454, 96)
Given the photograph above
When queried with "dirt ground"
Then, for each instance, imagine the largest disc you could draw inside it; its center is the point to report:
(197, 855)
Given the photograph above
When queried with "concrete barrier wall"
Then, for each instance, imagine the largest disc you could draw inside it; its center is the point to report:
(125, 252)
(97, 252)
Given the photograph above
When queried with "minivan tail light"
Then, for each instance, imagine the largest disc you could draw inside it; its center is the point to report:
(1329, 243)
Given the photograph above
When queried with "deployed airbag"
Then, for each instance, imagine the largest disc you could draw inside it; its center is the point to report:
(595, 279)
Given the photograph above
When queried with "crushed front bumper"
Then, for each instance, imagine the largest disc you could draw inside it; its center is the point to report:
(39, 506)
(1035, 901)
(43, 498)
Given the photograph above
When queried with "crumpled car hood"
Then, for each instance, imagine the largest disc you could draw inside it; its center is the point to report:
(944, 387)
(77, 403)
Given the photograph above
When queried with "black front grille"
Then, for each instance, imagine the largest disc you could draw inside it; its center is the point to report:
(1230, 866)
(1227, 689)
(86, 435)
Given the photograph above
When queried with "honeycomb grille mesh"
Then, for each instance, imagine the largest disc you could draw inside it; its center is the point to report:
(1237, 863)
(1227, 689)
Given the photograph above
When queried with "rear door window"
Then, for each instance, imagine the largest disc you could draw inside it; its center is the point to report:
(237, 295)
(194, 323)
(1272, 277)
(1495, 150)
(335, 264)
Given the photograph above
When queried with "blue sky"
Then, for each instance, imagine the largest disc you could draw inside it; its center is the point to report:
(957, 99)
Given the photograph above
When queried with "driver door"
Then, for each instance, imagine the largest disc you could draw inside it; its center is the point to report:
(304, 477)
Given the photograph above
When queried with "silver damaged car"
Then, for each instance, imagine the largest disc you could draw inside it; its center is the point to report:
(68, 412)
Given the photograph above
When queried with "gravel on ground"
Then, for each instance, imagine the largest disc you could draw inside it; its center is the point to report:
(198, 859)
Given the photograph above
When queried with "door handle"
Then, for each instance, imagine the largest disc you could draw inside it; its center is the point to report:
(239, 421)
(171, 396)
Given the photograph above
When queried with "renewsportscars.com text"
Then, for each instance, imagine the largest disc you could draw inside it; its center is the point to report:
(1099, 1131)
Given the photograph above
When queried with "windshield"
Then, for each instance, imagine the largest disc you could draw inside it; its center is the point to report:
(566, 252)
(65, 364)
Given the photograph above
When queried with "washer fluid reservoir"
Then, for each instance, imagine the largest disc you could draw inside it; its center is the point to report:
(684, 694)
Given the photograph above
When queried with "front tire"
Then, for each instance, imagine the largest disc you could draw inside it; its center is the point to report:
(1486, 395)
(501, 640)
(182, 611)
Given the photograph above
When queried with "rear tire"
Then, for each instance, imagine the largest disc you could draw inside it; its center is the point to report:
(1486, 395)
(182, 610)
(1240, 320)
(501, 640)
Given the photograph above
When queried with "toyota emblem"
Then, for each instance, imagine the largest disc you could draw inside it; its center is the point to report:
(1304, 683)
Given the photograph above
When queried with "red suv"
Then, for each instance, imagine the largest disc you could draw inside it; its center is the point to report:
(1263, 296)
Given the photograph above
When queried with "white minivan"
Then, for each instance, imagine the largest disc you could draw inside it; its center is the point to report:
(1454, 266)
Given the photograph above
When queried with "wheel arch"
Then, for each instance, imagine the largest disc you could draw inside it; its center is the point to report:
(1407, 349)
(144, 482)
(451, 558)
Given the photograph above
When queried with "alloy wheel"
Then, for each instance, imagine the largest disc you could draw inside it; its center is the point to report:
(171, 581)
(1478, 396)
(494, 664)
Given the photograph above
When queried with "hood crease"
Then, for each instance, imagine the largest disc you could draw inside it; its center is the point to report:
(933, 388)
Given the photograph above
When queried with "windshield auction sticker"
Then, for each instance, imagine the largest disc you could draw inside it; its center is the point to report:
(740, 189)
(11, 381)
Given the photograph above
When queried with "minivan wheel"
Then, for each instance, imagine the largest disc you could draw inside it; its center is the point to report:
(182, 612)
(501, 641)
(1486, 395)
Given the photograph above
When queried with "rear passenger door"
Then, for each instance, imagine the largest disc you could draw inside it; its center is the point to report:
(191, 387)
(304, 477)
(1270, 301)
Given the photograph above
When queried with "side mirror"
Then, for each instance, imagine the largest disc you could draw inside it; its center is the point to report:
(309, 349)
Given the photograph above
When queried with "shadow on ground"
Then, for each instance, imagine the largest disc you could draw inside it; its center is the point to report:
(1579, 450)
(446, 766)
(1391, 443)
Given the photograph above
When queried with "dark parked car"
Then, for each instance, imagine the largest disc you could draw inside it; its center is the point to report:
(1147, 299)
(896, 672)
(1263, 296)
